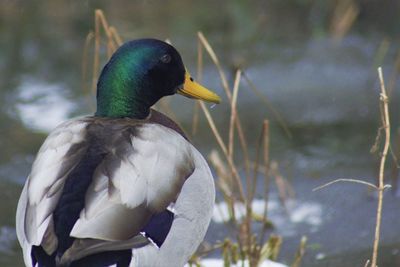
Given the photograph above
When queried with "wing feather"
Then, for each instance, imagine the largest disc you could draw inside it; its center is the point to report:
(44, 184)
(148, 177)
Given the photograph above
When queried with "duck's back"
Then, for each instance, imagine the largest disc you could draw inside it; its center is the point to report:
(96, 184)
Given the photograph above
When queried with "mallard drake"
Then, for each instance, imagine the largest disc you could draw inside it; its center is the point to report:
(124, 186)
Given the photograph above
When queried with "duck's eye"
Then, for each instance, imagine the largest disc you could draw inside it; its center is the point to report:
(166, 58)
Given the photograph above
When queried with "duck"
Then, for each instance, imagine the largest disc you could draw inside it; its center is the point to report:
(124, 186)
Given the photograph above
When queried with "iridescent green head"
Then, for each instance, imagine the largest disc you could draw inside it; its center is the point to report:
(140, 73)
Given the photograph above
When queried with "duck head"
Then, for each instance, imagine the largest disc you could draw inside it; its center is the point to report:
(141, 72)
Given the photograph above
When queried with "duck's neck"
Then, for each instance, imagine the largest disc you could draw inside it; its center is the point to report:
(117, 103)
(121, 93)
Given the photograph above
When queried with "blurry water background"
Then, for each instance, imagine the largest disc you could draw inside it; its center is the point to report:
(318, 74)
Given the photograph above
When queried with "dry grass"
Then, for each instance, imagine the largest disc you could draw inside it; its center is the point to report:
(250, 244)
(300, 252)
(344, 16)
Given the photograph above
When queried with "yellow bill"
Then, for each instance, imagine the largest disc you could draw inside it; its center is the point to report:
(193, 89)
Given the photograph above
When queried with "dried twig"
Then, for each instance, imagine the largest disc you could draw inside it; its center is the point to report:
(199, 77)
(285, 190)
(347, 180)
(233, 113)
(386, 124)
(114, 33)
(266, 140)
(96, 57)
(344, 16)
(224, 150)
(113, 42)
(214, 58)
(300, 252)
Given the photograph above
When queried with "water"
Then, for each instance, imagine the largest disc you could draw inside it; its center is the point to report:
(326, 92)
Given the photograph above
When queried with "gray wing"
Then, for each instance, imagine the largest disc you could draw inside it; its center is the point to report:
(136, 183)
(43, 187)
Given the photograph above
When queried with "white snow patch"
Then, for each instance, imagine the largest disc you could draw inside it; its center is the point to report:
(308, 213)
(320, 256)
(42, 106)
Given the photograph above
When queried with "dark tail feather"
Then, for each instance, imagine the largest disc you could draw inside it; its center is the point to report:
(39, 256)
(122, 258)
(158, 227)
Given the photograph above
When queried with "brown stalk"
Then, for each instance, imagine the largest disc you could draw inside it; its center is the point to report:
(233, 114)
(199, 61)
(243, 145)
(300, 252)
(224, 182)
(199, 77)
(345, 14)
(113, 41)
(224, 150)
(225, 86)
(246, 226)
(347, 180)
(114, 34)
(256, 164)
(96, 58)
(266, 141)
(285, 191)
(110, 40)
(386, 124)
(214, 58)
(110, 48)
(263, 142)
